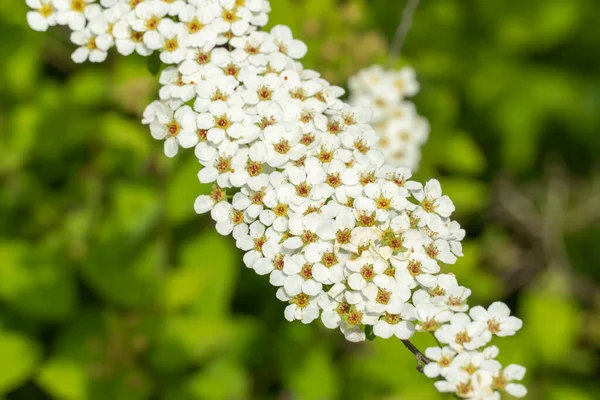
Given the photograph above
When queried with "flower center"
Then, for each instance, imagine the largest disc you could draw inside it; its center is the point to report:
(343, 236)
(219, 95)
(298, 94)
(307, 139)
(254, 168)
(306, 116)
(251, 49)
(464, 389)
(329, 259)
(383, 296)
(325, 156)
(499, 382)
(493, 326)
(383, 203)
(301, 300)
(361, 146)
(355, 317)
(414, 267)
(303, 189)
(391, 319)
(430, 325)
(306, 271)
(278, 262)
(229, 15)
(231, 70)
(334, 179)
(366, 178)
(428, 205)
(259, 243)
(333, 127)
(46, 10)
(367, 272)
(366, 219)
(137, 37)
(173, 128)
(222, 121)
(282, 147)
(202, 57)
(462, 337)
(308, 237)
(264, 93)
(152, 23)
(223, 164)
(218, 194)
(91, 44)
(194, 26)
(390, 271)
(237, 217)
(78, 5)
(280, 210)
(171, 45)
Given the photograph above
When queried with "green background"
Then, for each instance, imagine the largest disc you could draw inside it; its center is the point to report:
(112, 288)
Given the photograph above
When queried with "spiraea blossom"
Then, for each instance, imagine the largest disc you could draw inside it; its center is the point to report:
(299, 180)
(402, 132)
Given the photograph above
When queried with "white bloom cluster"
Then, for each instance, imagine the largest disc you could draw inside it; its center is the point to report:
(298, 180)
(402, 132)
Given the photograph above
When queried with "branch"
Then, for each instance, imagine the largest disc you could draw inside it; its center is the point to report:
(422, 360)
(402, 30)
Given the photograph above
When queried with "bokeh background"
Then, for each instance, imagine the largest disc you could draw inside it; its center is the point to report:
(112, 288)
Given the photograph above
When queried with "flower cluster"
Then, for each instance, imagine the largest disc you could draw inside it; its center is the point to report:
(401, 130)
(299, 182)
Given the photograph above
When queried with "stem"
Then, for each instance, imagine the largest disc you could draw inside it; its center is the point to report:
(422, 360)
(402, 30)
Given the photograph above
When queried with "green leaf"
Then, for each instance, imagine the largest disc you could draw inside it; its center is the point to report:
(153, 63)
(18, 359)
(63, 378)
(552, 325)
(206, 276)
(369, 332)
(34, 284)
(315, 377)
(463, 155)
(221, 380)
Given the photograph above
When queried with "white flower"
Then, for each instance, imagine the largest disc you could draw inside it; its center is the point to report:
(441, 360)
(171, 41)
(282, 37)
(232, 18)
(89, 47)
(218, 88)
(75, 13)
(462, 333)
(205, 203)
(128, 40)
(302, 307)
(328, 266)
(396, 322)
(432, 200)
(229, 220)
(42, 16)
(146, 18)
(418, 268)
(176, 86)
(504, 379)
(167, 127)
(299, 277)
(497, 319)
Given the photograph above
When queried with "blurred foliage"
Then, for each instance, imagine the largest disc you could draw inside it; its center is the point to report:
(112, 288)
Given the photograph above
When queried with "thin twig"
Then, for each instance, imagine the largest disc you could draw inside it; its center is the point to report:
(422, 360)
(402, 30)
